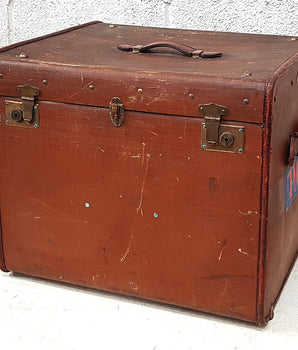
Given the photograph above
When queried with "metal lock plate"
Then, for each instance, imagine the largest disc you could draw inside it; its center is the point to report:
(24, 113)
(231, 139)
(217, 136)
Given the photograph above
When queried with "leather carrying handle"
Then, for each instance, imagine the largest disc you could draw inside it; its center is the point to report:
(184, 49)
(293, 150)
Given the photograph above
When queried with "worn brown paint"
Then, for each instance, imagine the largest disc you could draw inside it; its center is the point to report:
(142, 209)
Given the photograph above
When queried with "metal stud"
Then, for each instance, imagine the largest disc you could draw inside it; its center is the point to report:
(191, 96)
(247, 74)
(246, 101)
(140, 91)
(22, 55)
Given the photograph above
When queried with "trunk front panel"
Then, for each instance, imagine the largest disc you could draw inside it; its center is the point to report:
(140, 209)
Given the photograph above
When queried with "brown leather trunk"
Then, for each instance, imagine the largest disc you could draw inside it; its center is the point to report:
(182, 190)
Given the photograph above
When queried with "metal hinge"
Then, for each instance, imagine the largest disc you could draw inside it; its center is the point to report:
(217, 136)
(23, 113)
(117, 112)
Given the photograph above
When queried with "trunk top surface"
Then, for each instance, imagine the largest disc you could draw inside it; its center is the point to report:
(95, 45)
(88, 55)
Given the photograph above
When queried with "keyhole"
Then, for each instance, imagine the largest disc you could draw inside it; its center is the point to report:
(17, 115)
(226, 139)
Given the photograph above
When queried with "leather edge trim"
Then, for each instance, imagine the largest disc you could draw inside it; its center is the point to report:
(2, 260)
(262, 319)
(25, 42)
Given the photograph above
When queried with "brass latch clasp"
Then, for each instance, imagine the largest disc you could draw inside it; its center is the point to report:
(213, 114)
(217, 136)
(117, 112)
(23, 113)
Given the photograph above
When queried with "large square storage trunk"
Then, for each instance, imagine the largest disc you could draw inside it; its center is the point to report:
(166, 172)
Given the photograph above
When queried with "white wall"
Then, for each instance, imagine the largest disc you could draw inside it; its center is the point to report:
(23, 19)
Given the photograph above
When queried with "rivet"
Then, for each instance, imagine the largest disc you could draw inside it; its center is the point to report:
(112, 26)
(240, 150)
(191, 96)
(35, 126)
(247, 74)
(91, 87)
(7, 122)
(22, 55)
(45, 82)
(204, 146)
(140, 91)
(87, 205)
(241, 130)
(35, 107)
(246, 101)
(204, 126)
(1, 75)
(6, 103)
(155, 215)
(294, 39)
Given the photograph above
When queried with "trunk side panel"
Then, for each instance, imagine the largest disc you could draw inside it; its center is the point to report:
(282, 242)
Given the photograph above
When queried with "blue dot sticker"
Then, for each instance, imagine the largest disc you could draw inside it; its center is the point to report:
(155, 215)
(87, 205)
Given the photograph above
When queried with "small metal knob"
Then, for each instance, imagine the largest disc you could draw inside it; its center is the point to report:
(226, 139)
(17, 115)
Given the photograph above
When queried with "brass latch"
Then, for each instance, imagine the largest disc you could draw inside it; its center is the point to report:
(213, 114)
(23, 113)
(117, 112)
(217, 136)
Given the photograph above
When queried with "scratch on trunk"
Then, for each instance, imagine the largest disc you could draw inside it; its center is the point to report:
(90, 82)
(128, 248)
(248, 212)
(139, 209)
(154, 133)
(225, 288)
(142, 189)
(143, 152)
(222, 249)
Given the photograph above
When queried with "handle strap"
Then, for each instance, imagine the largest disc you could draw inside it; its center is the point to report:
(184, 49)
(293, 150)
